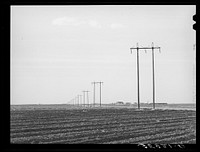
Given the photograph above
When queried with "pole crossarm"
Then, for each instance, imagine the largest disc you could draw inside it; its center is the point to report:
(144, 48)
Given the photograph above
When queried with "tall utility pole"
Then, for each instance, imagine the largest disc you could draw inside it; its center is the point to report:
(138, 81)
(94, 93)
(100, 91)
(87, 97)
(153, 66)
(84, 98)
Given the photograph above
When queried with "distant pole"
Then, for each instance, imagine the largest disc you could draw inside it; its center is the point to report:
(153, 75)
(78, 99)
(84, 98)
(100, 91)
(87, 97)
(153, 69)
(94, 94)
(138, 77)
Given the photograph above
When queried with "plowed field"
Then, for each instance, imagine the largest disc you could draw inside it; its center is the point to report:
(102, 126)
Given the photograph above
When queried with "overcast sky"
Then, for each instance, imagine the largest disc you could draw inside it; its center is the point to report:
(57, 51)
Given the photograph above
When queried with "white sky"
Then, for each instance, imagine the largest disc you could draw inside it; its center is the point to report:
(57, 51)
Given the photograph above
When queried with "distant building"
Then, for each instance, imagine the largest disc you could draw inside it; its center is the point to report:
(119, 103)
(161, 104)
(143, 103)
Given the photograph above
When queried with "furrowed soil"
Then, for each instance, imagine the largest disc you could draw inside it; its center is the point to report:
(101, 126)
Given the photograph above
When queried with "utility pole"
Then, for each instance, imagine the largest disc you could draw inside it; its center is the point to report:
(87, 97)
(78, 99)
(153, 68)
(84, 98)
(100, 91)
(94, 93)
(138, 81)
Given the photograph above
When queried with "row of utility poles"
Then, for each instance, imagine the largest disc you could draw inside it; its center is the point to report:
(77, 100)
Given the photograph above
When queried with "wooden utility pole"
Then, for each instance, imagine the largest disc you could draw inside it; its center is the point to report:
(94, 93)
(153, 68)
(138, 78)
(78, 100)
(87, 97)
(100, 91)
(84, 98)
